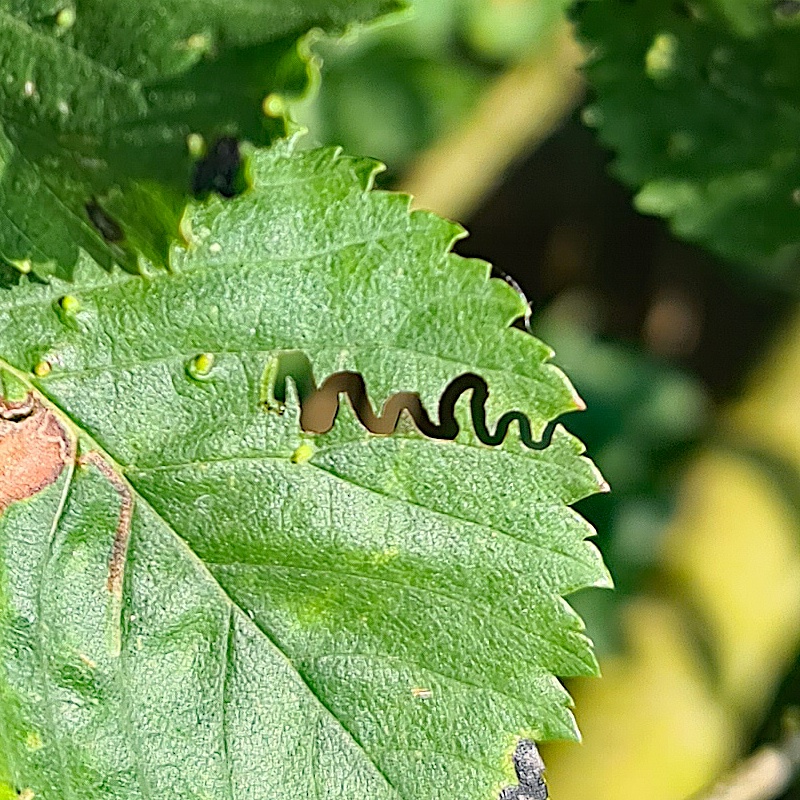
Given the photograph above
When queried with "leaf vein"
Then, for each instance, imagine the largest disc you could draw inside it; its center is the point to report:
(267, 635)
(422, 589)
(419, 665)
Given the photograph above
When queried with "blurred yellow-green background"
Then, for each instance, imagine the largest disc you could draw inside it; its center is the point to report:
(689, 364)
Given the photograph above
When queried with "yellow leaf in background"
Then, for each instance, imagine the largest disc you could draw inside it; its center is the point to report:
(733, 551)
(662, 723)
(769, 414)
(652, 727)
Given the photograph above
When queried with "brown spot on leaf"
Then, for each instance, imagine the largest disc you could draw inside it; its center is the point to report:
(34, 448)
(119, 550)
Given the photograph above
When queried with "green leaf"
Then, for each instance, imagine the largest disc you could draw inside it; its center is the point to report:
(701, 102)
(104, 93)
(397, 88)
(331, 616)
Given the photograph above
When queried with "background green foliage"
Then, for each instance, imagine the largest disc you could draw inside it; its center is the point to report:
(396, 88)
(98, 100)
(699, 101)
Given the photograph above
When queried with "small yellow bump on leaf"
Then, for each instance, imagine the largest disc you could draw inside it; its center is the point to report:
(69, 310)
(385, 556)
(274, 105)
(660, 58)
(33, 741)
(70, 304)
(200, 366)
(196, 145)
(303, 453)
(26, 794)
(65, 18)
(42, 369)
(199, 42)
(23, 265)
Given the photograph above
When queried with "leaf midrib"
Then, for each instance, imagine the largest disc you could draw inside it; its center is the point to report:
(246, 617)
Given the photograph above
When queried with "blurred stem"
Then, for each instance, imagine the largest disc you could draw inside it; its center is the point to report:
(515, 114)
(766, 775)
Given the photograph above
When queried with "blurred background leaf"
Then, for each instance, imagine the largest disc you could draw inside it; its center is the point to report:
(397, 88)
(700, 101)
(104, 102)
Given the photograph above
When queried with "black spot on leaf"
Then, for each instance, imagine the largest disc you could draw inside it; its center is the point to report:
(105, 225)
(220, 170)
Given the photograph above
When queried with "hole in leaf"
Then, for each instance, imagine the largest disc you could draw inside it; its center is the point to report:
(319, 405)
